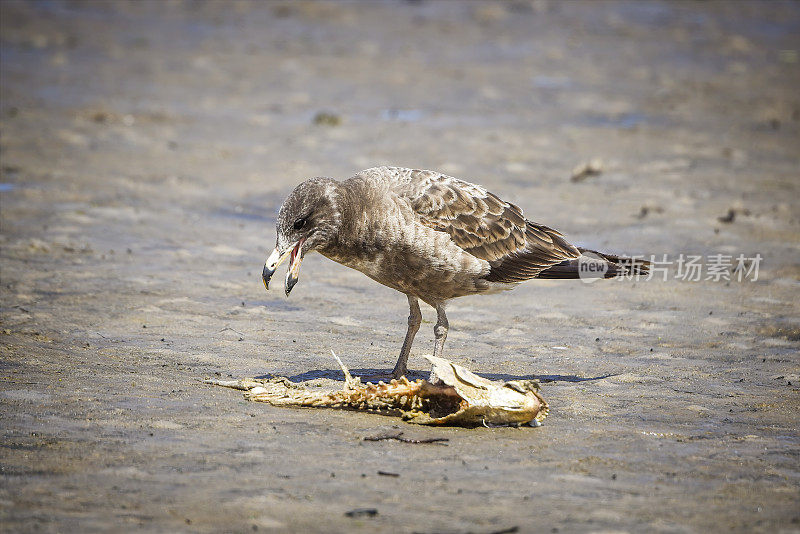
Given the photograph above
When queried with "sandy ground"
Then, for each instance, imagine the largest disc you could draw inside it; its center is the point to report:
(146, 148)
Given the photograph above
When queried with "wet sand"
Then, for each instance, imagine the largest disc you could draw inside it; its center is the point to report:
(145, 149)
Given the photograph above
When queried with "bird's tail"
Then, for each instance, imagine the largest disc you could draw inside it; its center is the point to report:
(610, 266)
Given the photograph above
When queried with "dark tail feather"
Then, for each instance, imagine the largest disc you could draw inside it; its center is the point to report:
(615, 266)
(565, 270)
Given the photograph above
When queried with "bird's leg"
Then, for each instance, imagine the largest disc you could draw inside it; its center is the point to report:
(414, 320)
(440, 330)
(440, 333)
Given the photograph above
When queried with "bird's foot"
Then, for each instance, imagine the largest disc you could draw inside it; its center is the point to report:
(397, 373)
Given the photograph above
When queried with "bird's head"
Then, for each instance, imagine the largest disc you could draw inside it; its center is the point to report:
(307, 221)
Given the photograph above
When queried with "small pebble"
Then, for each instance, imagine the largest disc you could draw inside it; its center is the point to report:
(324, 118)
(362, 512)
(593, 167)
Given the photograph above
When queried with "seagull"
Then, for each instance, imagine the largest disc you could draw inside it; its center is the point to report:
(430, 236)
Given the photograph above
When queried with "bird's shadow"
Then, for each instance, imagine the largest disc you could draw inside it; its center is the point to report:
(368, 374)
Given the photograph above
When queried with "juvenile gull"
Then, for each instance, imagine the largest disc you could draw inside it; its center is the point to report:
(428, 235)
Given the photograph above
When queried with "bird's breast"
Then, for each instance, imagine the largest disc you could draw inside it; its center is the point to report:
(409, 257)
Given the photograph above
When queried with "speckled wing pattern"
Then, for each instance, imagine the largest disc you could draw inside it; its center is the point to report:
(483, 225)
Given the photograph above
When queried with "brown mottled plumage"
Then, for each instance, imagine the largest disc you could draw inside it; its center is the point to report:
(425, 234)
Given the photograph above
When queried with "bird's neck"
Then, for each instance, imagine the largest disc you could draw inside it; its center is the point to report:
(353, 199)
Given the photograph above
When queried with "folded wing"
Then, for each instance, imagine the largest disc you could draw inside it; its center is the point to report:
(483, 225)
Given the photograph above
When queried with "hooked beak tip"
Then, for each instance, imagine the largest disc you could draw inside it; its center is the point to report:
(290, 283)
(266, 275)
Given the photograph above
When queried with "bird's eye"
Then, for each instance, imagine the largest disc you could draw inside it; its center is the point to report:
(299, 223)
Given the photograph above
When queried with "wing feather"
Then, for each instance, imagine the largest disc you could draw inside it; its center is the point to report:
(481, 224)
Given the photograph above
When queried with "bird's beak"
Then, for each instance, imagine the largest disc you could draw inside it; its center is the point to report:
(294, 266)
(277, 257)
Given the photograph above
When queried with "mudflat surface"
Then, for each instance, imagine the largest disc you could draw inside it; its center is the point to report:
(146, 148)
